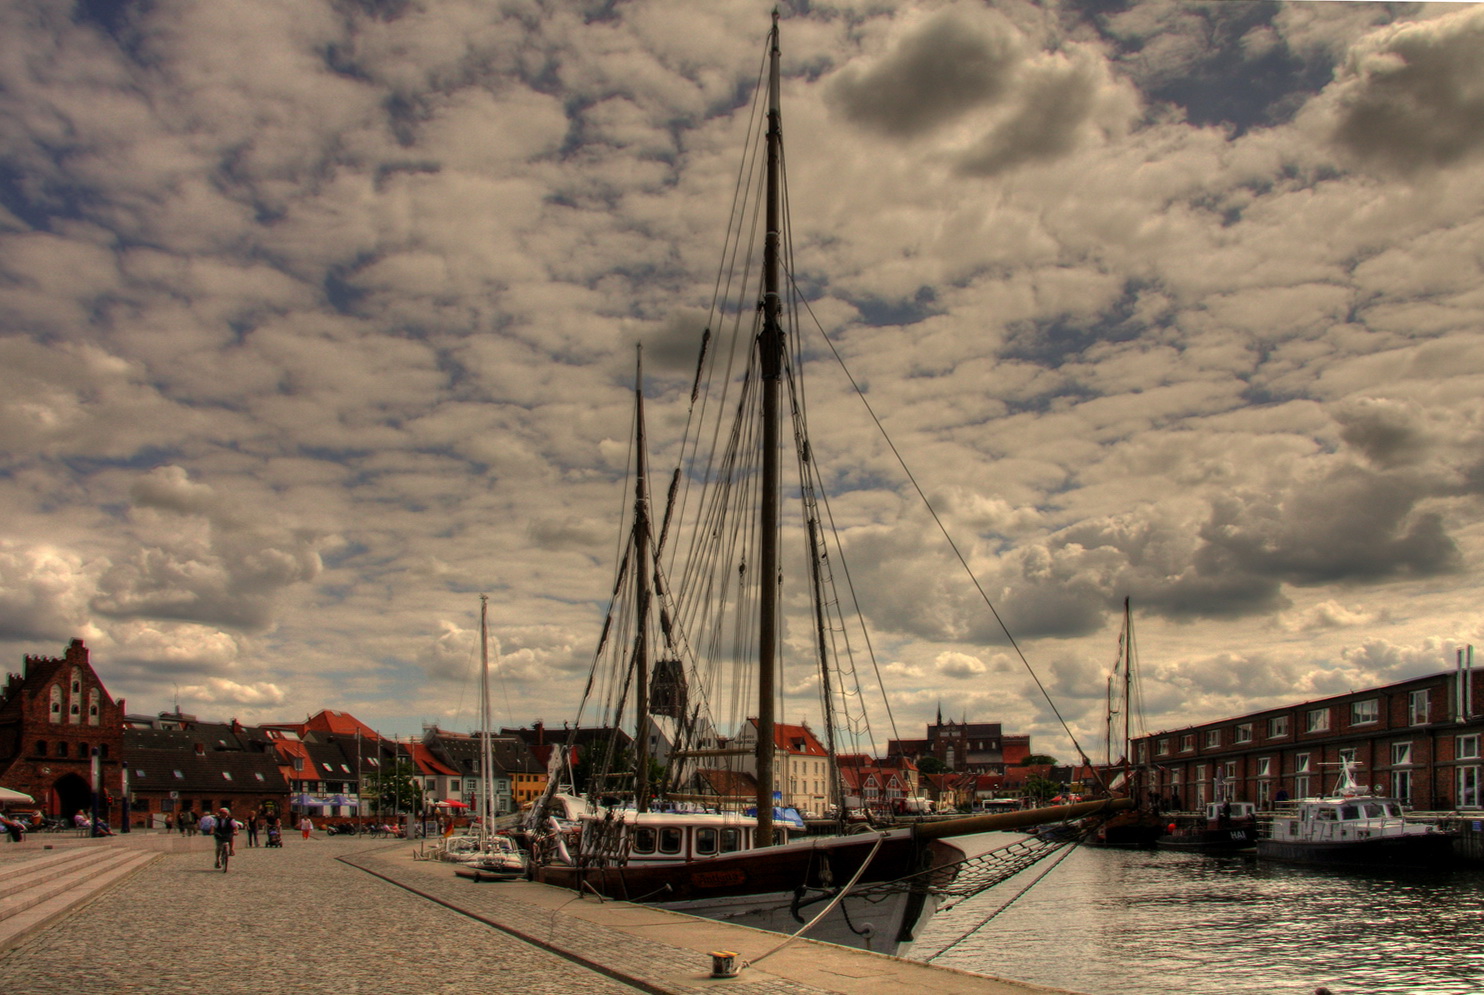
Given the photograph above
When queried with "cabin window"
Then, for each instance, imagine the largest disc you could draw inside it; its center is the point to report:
(1244, 733)
(1325, 815)
(1363, 712)
(644, 840)
(670, 839)
(1317, 720)
(1277, 726)
(731, 840)
(1350, 812)
(1417, 707)
(706, 842)
(1374, 810)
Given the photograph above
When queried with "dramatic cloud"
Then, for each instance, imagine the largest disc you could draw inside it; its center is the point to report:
(318, 320)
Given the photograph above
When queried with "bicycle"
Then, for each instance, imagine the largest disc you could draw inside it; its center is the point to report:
(223, 853)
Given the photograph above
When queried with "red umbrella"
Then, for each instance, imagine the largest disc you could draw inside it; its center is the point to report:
(453, 804)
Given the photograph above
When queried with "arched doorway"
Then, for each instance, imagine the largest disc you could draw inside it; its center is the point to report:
(69, 793)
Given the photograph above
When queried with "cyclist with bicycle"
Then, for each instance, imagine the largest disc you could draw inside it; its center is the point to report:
(225, 832)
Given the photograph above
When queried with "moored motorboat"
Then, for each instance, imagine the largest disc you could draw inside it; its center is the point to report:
(1354, 829)
(1229, 827)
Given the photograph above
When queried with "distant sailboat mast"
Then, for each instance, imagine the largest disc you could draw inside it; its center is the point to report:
(486, 753)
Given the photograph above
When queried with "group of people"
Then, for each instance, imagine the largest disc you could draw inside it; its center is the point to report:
(189, 824)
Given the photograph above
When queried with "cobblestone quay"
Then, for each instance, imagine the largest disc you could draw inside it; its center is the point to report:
(350, 916)
(290, 921)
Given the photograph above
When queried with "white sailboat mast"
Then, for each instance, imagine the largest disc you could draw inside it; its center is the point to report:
(486, 753)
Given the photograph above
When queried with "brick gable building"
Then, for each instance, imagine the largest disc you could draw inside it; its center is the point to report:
(55, 715)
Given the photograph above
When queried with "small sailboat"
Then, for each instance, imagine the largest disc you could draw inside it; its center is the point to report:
(1139, 827)
(484, 854)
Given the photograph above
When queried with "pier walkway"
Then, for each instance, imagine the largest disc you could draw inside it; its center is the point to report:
(350, 916)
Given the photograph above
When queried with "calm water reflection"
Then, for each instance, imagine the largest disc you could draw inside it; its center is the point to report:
(1114, 922)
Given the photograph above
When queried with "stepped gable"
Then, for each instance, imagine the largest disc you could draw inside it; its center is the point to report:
(53, 715)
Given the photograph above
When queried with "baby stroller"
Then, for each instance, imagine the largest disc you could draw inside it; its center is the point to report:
(275, 838)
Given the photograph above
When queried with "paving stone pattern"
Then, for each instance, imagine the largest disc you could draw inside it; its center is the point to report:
(290, 921)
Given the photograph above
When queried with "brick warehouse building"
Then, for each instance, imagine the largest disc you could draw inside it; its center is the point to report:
(53, 715)
(1417, 740)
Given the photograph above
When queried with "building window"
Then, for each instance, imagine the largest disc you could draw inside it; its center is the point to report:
(1417, 707)
(1363, 712)
(1401, 786)
(1317, 720)
(1467, 748)
(41, 747)
(62, 749)
(1277, 726)
(1187, 742)
(1244, 733)
(1162, 747)
(1212, 738)
(1301, 763)
(1401, 754)
(226, 775)
(56, 705)
(1468, 787)
(1265, 767)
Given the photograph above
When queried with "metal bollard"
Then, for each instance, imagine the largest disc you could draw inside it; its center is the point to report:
(723, 964)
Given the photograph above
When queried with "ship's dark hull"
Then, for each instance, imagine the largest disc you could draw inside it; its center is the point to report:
(1413, 850)
(1236, 839)
(782, 887)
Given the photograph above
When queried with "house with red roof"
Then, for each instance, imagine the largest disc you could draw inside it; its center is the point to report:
(801, 766)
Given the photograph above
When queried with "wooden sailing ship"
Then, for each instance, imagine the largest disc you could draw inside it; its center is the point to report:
(642, 831)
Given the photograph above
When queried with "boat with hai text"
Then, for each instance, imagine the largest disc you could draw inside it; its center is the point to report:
(1228, 827)
(667, 804)
(1355, 828)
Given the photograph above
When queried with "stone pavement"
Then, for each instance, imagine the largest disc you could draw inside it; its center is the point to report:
(290, 921)
(354, 917)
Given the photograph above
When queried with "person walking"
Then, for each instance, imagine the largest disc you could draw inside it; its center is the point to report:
(225, 831)
(252, 829)
(306, 826)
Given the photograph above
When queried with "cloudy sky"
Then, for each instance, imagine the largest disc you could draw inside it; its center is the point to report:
(319, 319)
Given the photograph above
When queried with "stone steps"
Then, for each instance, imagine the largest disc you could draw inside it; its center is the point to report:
(37, 890)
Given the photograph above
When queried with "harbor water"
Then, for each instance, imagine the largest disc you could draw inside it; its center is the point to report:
(1127, 922)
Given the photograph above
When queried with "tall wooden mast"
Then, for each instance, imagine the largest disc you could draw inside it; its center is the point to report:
(641, 542)
(770, 349)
